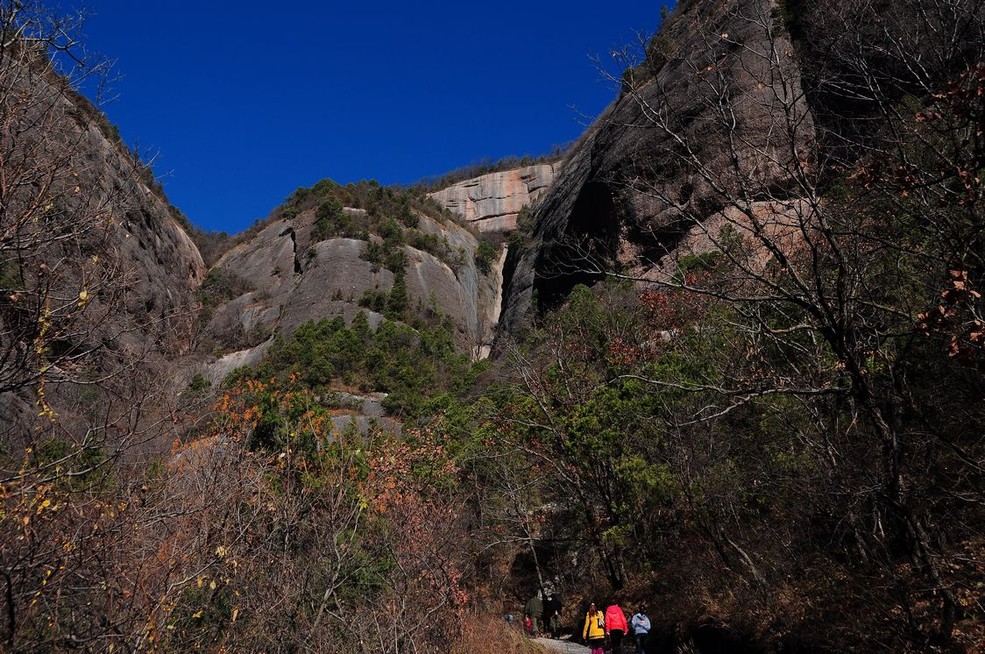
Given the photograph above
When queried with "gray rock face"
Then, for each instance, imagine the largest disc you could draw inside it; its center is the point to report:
(105, 251)
(630, 188)
(290, 279)
(492, 202)
(161, 267)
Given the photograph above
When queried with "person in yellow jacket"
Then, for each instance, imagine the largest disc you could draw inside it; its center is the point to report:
(594, 631)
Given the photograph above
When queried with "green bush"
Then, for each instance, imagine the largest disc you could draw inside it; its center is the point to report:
(221, 285)
(198, 386)
(374, 300)
(385, 255)
(693, 264)
(485, 254)
(329, 220)
(413, 364)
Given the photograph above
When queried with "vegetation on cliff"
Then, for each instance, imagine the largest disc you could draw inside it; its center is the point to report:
(414, 364)
(392, 215)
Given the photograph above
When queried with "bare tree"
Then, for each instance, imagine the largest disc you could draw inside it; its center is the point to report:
(809, 171)
(832, 212)
(81, 320)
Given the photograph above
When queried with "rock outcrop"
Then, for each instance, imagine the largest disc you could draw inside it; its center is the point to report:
(492, 202)
(98, 277)
(288, 277)
(703, 120)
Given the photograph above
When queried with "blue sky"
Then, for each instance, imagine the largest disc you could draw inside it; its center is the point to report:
(243, 102)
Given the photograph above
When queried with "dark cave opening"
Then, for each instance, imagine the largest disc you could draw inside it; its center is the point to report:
(584, 251)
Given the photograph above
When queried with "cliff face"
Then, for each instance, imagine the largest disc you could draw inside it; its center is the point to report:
(286, 276)
(97, 277)
(741, 114)
(719, 82)
(492, 202)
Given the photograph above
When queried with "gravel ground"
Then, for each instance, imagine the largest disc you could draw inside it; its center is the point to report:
(565, 646)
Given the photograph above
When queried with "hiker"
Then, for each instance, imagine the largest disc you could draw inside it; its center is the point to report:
(615, 626)
(555, 625)
(639, 624)
(552, 615)
(594, 632)
(535, 609)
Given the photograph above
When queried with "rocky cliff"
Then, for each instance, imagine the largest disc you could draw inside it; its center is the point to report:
(97, 276)
(492, 202)
(703, 115)
(289, 274)
(739, 117)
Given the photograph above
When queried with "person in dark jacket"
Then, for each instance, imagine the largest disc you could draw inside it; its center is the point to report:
(552, 615)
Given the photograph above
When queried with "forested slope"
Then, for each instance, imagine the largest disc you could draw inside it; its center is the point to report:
(781, 435)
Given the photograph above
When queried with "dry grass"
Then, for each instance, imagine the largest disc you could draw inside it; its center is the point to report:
(488, 634)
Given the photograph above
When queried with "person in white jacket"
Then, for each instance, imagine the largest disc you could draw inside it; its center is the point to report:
(639, 626)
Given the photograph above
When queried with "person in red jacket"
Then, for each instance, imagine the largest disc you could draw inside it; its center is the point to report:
(615, 626)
